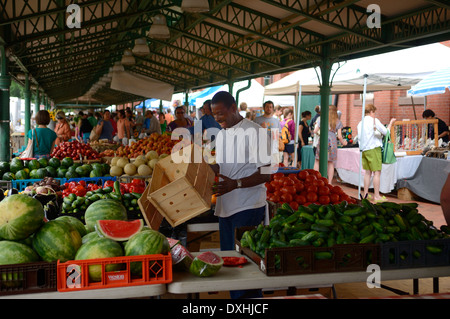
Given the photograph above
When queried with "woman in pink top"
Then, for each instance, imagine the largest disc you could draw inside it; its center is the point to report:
(123, 126)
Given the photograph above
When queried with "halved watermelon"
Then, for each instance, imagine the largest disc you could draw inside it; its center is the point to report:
(172, 242)
(206, 264)
(181, 257)
(119, 230)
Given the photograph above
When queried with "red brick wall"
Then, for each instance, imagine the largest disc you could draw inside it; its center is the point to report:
(388, 107)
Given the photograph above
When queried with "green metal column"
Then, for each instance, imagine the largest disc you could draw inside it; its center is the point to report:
(27, 106)
(160, 106)
(325, 91)
(37, 106)
(5, 83)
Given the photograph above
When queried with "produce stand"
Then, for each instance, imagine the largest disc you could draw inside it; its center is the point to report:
(251, 277)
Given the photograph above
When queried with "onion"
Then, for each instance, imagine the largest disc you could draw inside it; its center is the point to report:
(44, 190)
(29, 190)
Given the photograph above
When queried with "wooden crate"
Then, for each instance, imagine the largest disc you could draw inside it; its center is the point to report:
(179, 191)
(410, 136)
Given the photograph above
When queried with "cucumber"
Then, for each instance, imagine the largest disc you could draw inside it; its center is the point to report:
(311, 236)
(298, 242)
(325, 222)
(320, 255)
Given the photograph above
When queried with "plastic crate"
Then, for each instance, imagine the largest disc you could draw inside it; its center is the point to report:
(414, 253)
(21, 184)
(156, 269)
(302, 260)
(28, 278)
(4, 185)
(94, 180)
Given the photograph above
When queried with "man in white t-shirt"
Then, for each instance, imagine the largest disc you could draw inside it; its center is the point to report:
(243, 157)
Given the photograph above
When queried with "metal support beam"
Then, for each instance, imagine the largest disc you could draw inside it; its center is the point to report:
(27, 106)
(325, 91)
(5, 83)
(37, 105)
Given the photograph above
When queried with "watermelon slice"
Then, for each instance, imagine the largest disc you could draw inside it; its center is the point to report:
(119, 230)
(181, 257)
(172, 242)
(206, 264)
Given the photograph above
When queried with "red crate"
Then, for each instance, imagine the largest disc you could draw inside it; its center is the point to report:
(156, 269)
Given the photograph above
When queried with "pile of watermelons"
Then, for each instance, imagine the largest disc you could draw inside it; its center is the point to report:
(19, 169)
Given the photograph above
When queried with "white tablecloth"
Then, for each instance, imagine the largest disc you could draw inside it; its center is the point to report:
(347, 166)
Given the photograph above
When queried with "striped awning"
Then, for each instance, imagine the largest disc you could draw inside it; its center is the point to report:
(435, 83)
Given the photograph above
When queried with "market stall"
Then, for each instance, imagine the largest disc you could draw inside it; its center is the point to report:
(347, 166)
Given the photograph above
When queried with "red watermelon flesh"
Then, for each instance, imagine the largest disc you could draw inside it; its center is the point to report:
(119, 230)
(172, 242)
(206, 264)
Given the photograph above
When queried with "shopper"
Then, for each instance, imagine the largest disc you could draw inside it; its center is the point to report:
(443, 131)
(370, 144)
(123, 128)
(303, 134)
(42, 137)
(334, 133)
(151, 123)
(84, 127)
(62, 128)
(289, 148)
(241, 194)
(162, 122)
(180, 120)
(104, 128)
(243, 109)
(268, 120)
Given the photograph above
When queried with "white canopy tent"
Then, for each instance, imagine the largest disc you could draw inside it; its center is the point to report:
(389, 71)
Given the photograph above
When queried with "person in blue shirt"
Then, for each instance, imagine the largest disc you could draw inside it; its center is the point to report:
(43, 138)
(104, 127)
(207, 121)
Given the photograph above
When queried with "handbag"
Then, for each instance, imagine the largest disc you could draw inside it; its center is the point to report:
(29, 151)
(387, 152)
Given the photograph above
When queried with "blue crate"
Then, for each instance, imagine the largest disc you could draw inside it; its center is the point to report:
(95, 180)
(21, 184)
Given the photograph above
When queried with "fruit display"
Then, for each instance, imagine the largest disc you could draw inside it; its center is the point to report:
(303, 189)
(19, 169)
(343, 223)
(103, 145)
(79, 196)
(142, 165)
(119, 230)
(75, 150)
(161, 143)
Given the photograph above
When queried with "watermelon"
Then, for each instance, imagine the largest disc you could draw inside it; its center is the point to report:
(20, 216)
(54, 162)
(104, 209)
(16, 165)
(67, 162)
(34, 164)
(206, 264)
(34, 174)
(16, 253)
(79, 226)
(57, 240)
(61, 172)
(100, 248)
(22, 174)
(41, 173)
(89, 236)
(8, 176)
(4, 167)
(119, 230)
(146, 242)
(43, 162)
(181, 257)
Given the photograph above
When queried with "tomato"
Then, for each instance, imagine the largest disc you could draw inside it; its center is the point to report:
(302, 175)
(136, 189)
(323, 190)
(287, 197)
(288, 182)
(324, 179)
(311, 197)
(337, 190)
(310, 178)
(288, 189)
(108, 184)
(275, 185)
(300, 199)
(79, 190)
(324, 200)
(318, 183)
(138, 182)
(275, 198)
(293, 177)
(312, 189)
(334, 198)
(299, 187)
(294, 205)
(277, 176)
(270, 188)
(277, 193)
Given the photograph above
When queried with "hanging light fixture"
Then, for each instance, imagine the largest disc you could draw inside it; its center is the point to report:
(159, 28)
(195, 5)
(140, 47)
(128, 58)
